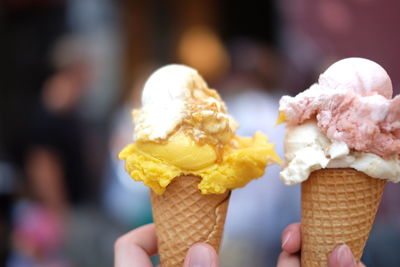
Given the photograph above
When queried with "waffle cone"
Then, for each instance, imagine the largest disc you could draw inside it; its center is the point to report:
(338, 206)
(183, 216)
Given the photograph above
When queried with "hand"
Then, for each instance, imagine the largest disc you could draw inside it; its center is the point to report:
(135, 248)
(291, 243)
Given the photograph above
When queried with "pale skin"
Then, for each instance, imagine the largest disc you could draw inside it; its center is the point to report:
(135, 248)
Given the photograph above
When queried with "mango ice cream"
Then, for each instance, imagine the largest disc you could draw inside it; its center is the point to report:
(183, 128)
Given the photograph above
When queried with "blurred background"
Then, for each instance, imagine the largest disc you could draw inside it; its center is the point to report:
(72, 70)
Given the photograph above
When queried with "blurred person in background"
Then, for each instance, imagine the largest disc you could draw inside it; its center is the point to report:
(57, 134)
(28, 30)
(52, 131)
(54, 163)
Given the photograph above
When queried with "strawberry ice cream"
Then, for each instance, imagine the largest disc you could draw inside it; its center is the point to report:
(351, 103)
(343, 145)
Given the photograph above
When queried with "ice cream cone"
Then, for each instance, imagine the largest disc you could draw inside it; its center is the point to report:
(338, 207)
(184, 125)
(183, 216)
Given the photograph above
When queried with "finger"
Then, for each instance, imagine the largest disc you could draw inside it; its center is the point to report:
(360, 264)
(341, 256)
(291, 238)
(288, 260)
(201, 254)
(135, 248)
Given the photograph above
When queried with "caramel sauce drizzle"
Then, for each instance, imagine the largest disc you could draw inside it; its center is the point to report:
(195, 122)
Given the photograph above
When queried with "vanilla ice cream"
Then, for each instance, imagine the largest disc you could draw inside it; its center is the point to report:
(177, 95)
(307, 149)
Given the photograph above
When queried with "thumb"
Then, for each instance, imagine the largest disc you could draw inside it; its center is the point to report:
(201, 255)
(341, 256)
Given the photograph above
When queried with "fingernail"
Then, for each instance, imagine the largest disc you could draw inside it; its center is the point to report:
(286, 238)
(344, 257)
(200, 256)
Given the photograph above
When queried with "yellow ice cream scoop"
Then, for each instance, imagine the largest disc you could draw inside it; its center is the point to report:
(181, 151)
(158, 164)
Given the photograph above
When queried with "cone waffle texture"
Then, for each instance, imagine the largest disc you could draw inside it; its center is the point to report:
(338, 206)
(183, 216)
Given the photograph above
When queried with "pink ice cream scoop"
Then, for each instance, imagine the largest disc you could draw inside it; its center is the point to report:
(352, 102)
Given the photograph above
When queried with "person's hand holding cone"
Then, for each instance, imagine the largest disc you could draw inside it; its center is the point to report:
(187, 152)
(342, 144)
